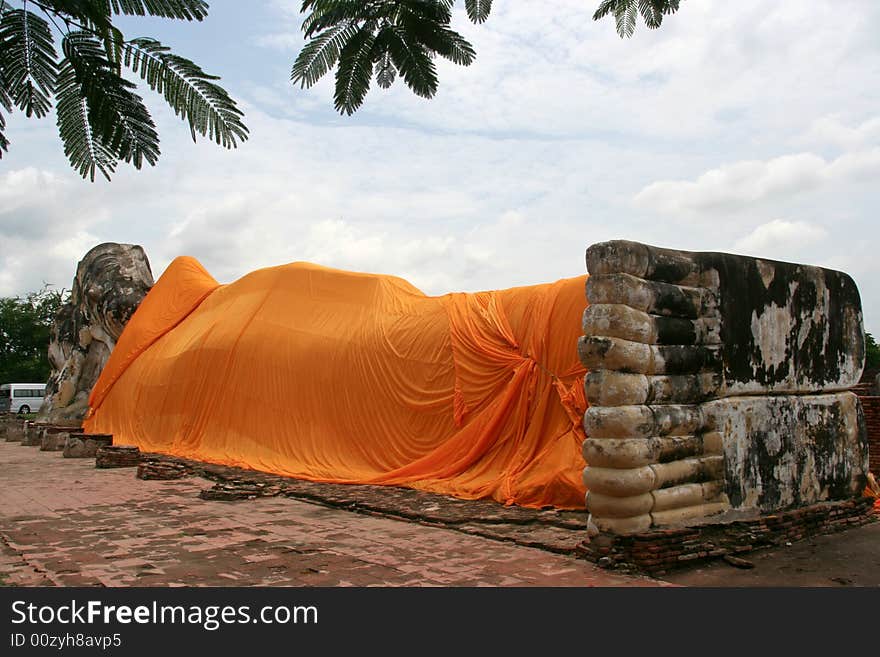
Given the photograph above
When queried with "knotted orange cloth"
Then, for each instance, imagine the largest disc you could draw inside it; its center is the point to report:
(344, 377)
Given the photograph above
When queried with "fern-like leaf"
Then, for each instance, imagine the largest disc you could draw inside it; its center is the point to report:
(652, 13)
(478, 10)
(385, 38)
(190, 92)
(83, 149)
(605, 7)
(354, 72)
(385, 71)
(5, 104)
(320, 54)
(413, 62)
(27, 61)
(626, 12)
(625, 17)
(188, 10)
(117, 116)
(327, 13)
(435, 36)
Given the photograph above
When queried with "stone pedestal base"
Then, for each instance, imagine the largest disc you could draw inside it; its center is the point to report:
(162, 470)
(86, 445)
(52, 441)
(238, 490)
(14, 431)
(117, 456)
(31, 435)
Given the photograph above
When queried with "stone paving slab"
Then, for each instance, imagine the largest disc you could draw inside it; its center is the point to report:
(65, 523)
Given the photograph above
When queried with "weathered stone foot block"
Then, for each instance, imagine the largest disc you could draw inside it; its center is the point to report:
(715, 384)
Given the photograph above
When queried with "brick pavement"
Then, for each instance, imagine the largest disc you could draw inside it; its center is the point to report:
(63, 522)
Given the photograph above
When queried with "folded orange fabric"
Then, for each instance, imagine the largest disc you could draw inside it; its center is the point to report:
(345, 377)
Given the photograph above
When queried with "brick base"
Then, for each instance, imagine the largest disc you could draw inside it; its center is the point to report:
(871, 407)
(161, 470)
(658, 551)
(117, 456)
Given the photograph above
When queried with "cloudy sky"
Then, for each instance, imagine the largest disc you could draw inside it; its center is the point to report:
(750, 127)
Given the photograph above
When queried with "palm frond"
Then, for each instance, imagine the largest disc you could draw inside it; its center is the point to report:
(190, 92)
(28, 61)
(413, 62)
(605, 8)
(478, 10)
(652, 13)
(188, 10)
(435, 36)
(354, 72)
(320, 54)
(626, 13)
(625, 17)
(327, 13)
(118, 118)
(5, 104)
(404, 37)
(83, 149)
(386, 73)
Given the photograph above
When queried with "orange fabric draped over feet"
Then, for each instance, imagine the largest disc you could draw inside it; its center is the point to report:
(344, 377)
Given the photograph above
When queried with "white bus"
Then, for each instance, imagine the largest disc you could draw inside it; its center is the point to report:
(21, 397)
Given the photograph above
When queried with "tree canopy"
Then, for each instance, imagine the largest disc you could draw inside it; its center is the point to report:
(25, 324)
(386, 39)
(872, 353)
(101, 120)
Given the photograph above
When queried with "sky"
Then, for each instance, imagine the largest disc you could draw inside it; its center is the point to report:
(747, 127)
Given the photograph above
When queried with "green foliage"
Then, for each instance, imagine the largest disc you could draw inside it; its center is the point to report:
(25, 324)
(191, 93)
(385, 38)
(382, 39)
(872, 353)
(101, 120)
(27, 61)
(626, 13)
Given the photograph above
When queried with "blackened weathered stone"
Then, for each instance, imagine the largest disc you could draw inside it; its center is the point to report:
(111, 281)
(788, 328)
(785, 327)
(786, 451)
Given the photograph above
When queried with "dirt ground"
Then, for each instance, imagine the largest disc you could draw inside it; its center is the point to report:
(850, 558)
(65, 523)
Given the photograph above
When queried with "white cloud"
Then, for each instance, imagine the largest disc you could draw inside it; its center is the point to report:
(44, 228)
(283, 41)
(831, 131)
(778, 237)
(743, 184)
